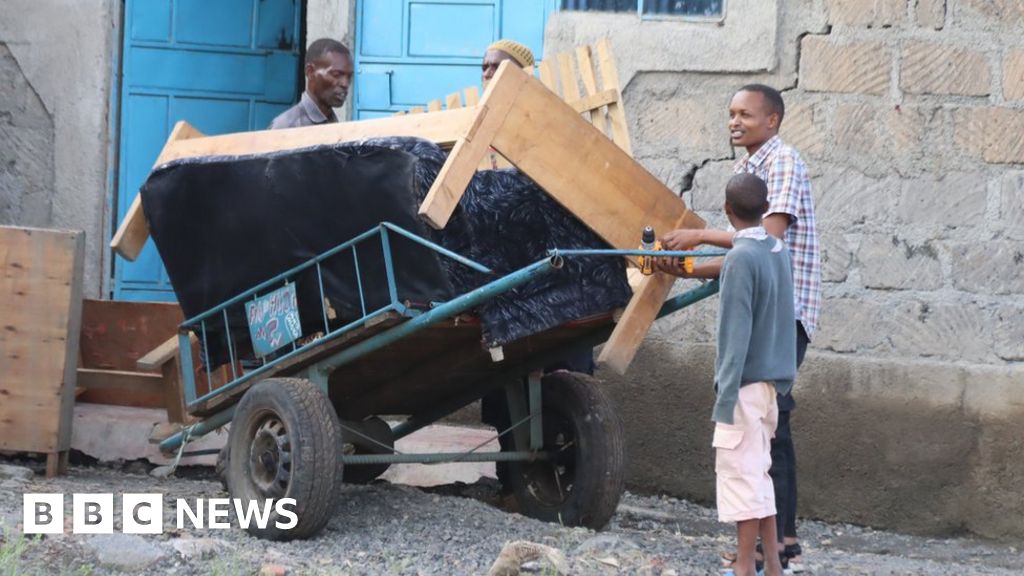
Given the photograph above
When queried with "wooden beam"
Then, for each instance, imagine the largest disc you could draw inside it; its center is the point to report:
(443, 128)
(155, 358)
(453, 101)
(594, 102)
(582, 169)
(131, 235)
(610, 80)
(586, 69)
(434, 106)
(469, 151)
(119, 380)
(472, 96)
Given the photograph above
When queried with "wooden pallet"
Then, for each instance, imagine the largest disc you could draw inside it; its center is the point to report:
(580, 166)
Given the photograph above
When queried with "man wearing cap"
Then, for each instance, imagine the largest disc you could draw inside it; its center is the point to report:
(503, 50)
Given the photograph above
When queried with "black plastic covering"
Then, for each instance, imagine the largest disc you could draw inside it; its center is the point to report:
(223, 225)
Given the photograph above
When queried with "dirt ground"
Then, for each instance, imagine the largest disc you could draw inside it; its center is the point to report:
(450, 529)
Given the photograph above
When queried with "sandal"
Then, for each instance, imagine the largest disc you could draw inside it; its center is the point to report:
(729, 558)
(791, 552)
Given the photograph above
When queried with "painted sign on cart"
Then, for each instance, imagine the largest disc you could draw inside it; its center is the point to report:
(273, 320)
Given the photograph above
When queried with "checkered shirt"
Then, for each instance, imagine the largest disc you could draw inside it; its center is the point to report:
(789, 192)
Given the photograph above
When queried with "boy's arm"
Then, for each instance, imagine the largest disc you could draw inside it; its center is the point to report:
(707, 270)
(734, 328)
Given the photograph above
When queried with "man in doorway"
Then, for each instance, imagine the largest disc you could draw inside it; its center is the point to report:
(328, 79)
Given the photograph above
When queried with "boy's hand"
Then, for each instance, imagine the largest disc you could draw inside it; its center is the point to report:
(682, 239)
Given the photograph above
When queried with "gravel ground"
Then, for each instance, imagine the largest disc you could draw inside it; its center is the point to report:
(454, 529)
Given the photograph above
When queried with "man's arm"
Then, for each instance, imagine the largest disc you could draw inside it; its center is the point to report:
(688, 238)
(708, 270)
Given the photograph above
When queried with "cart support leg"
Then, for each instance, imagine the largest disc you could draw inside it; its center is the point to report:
(517, 410)
(536, 425)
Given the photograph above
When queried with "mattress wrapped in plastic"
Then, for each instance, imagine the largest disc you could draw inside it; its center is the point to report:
(224, 224)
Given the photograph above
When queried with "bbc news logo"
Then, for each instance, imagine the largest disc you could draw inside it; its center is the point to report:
(144, 513)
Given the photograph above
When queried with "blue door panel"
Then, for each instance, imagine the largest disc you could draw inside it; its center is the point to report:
(380, 28)
(224, 66)
(409, 52)
(151, 20)
(218, 23)
(450, 30)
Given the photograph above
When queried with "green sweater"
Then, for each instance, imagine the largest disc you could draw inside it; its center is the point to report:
(756, 321)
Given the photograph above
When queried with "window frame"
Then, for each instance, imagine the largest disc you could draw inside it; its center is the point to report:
(658, 17)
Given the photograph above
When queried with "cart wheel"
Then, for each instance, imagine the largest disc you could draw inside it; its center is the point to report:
(379, 430)
(582, 482)
(285, 442)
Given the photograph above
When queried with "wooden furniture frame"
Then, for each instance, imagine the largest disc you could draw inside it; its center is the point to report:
(588, 173)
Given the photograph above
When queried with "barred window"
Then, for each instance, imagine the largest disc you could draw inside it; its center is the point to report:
(689, 8)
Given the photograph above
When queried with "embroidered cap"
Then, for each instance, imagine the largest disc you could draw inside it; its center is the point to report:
(520, 53)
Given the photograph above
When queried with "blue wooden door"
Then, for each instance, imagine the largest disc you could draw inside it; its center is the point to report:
(223, 66)
(409, 52)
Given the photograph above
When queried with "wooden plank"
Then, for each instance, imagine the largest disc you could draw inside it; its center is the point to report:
(597, 117)
(616, 112)
(548, 77)
(116, 334)
(416, 110)
(570, 88)
(472, 96)
(56, 463)
(434, 106)
(443, 128)
(155, 358)
(583, 170)
(467, 154)
(121, 388)
(131, 235)
(453, 101)
(595, 101)
(641, 312)
(40, 326)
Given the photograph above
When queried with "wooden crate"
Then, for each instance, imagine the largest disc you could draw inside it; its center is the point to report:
(40, 315)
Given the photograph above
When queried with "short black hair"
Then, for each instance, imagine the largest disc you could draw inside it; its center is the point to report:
(747, 194)
(772, 97)
(322, 46)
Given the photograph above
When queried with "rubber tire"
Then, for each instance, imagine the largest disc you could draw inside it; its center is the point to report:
(380, 431)
(597, 457)
(314, 439)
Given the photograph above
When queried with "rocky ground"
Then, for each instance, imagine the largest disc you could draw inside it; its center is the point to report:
(454, 529)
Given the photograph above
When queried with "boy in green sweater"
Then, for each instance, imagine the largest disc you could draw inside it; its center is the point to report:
(756, 359)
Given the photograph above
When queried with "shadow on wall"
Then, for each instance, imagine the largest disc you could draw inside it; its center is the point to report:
(26, 149)
(917, 447)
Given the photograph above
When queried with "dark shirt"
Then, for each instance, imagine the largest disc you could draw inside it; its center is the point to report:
(305, 113)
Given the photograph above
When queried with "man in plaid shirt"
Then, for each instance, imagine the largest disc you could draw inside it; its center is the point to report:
(755, 114)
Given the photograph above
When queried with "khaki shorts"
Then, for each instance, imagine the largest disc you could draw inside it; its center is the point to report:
(743, 456)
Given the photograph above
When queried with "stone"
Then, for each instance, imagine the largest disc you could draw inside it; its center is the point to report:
(994, 267)
(847, 200)
(953, 200)
(1013, 74)
(803, 127)
(1009, 333)
(162, 471)
(930, 13)
(274, 570)
(942, 331)
(708, 190)
(992, 134)
(932, 68)
(888, 261)
(199, 548)
(852, 67)
(869, 13)
(987, 14)
(1011, 203)
(851, 325)
(16, 473)
(689, 126)
(836, 257)
(127, 552)
(876, 139)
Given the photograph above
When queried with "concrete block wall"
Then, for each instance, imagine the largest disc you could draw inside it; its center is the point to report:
(910, 115)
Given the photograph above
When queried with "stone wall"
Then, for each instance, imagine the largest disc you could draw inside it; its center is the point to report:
(910, 115)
